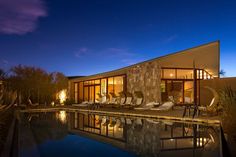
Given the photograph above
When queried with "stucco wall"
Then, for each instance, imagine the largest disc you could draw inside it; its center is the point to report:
(145, 78)
(218, 84)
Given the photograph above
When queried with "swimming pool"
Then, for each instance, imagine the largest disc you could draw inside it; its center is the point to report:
(73, 134)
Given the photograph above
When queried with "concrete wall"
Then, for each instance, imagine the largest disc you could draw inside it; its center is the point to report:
(147, 79)
(218, 84)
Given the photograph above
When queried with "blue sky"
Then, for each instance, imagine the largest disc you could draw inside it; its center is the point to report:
(86, 37)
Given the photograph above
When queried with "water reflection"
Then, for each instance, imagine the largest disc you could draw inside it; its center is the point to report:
(61, 115)
(144, 137)
(148, 137)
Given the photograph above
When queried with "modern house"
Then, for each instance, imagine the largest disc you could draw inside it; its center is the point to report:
(178, 75)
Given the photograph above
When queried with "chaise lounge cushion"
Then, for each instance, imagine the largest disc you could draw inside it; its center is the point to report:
(166, 106)
(146, 107)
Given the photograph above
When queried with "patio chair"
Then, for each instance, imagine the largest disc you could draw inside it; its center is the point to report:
(164, 107)
(120, 100)
(212, 107)
(112, 100)
(138, 101)
(128, 100)
(105, 100)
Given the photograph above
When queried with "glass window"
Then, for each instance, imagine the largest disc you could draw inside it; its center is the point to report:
(76, 92)
(97, 81)
(199, 74)
(86, 98)
(103, 86)
(184, 74)
(118, 84)
(169, 73)
(204, 75)
(110, 85)
(86, 82)
(188, 92)
(97, 92)
(81, 91)
(174, 90)
(91, 93)
(163, 86)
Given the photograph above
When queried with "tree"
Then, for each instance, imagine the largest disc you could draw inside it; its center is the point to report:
(222, 72)
(35, 83)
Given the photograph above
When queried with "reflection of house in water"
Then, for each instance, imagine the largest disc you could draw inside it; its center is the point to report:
(148, 137)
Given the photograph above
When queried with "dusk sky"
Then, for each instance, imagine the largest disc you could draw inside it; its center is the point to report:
(83, 37)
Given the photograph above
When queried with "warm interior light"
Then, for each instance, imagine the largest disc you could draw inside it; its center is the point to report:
(62, 96)
(171, 75)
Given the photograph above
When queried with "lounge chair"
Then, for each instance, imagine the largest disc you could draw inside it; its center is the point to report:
(164, 107)
(148, 106)
(120, 101)
(105, 100)
(138, 101)
(128, 100)
(84, 104)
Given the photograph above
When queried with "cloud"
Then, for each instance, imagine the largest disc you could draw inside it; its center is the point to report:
(5, 64)
(119, 52)
(129, 61)
(170, 38)
(20, 16)
(81, 52)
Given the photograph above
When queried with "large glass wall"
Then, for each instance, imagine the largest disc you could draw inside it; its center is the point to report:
(91, 89)
(178, 84)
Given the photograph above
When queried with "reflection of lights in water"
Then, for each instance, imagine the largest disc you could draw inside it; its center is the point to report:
(62, 96)
(202, 141)
(62, 116)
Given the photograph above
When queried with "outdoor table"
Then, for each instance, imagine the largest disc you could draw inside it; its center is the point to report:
(187, 106)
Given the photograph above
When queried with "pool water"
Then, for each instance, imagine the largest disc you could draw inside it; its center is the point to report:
(71, 134)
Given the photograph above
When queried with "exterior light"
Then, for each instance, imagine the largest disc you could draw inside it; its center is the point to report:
(62, 96)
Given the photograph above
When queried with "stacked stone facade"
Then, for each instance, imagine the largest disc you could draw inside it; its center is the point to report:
(146, 78)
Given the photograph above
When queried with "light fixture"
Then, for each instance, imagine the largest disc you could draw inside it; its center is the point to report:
(62, 96)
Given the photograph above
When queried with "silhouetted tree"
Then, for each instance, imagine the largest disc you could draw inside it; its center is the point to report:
(35, 83)
(222, 72)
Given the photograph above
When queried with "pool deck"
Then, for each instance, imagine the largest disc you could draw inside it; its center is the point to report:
(171, 115)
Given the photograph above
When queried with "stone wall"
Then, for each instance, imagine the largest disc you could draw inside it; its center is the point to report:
(146, 78)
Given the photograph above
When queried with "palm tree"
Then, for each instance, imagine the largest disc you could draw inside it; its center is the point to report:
(222, 72)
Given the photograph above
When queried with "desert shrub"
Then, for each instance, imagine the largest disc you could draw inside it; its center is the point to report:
(228, 106)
